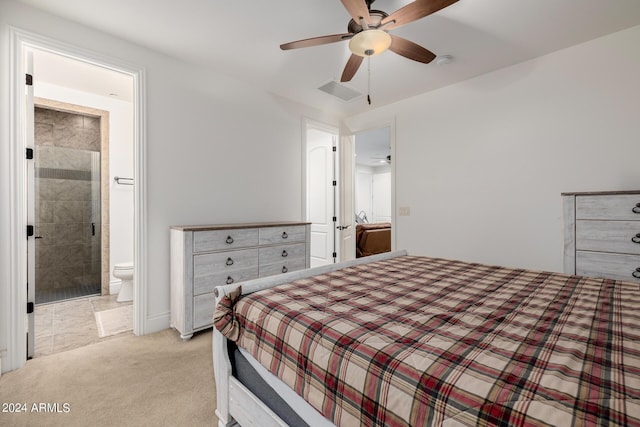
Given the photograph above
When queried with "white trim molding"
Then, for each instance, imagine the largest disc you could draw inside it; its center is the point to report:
(20, 42)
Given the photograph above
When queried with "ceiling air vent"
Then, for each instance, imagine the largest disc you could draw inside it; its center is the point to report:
(341, 91)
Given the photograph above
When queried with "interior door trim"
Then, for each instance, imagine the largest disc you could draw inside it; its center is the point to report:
(14, 330)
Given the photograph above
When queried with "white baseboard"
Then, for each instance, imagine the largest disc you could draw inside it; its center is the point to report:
(157, 323)
(114, 286)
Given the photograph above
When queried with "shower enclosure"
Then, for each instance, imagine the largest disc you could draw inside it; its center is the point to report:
(68, 227)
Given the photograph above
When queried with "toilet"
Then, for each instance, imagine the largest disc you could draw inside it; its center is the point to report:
(124, 272)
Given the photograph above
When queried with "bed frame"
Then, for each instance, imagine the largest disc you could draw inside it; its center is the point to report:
(236, 405)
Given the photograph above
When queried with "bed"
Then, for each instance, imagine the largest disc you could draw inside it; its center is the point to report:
(399, 340)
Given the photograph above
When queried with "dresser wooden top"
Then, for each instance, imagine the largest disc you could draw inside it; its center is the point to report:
(237, 226)
(602, 193)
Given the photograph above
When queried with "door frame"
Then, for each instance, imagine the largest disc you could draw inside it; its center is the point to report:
(20, 41)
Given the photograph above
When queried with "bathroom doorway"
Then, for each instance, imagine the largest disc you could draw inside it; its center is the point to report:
(83, 136)
(21, 327)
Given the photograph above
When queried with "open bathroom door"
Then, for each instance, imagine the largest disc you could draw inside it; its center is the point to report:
(31, 208)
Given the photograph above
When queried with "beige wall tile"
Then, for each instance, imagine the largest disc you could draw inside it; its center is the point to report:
(65, 204)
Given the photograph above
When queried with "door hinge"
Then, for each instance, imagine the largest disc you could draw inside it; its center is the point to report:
(29, 307)
(335, 255)
(335, 183)
(29, 153)
(29, 80)
(29, 231)
(335, 219)
(334, 148)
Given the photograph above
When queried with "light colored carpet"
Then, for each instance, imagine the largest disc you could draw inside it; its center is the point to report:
(114, 321)
(152, 380)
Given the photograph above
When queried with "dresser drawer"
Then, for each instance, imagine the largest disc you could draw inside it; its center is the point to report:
(613, 266)
(215, 240)
(608, 236)
(275, 254)
(285, 266)
(203, 307)
(205, 284)
(613, 207)
(282, 234)
(211, 268)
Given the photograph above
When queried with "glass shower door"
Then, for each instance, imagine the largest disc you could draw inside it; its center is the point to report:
(67, 208)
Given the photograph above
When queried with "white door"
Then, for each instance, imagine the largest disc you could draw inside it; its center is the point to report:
(346, 229)
(31, 212)
(320, 195)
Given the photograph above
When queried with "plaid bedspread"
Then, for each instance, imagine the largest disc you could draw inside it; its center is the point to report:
(417, 341)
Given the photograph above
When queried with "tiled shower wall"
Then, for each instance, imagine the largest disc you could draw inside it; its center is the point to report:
(68, 252)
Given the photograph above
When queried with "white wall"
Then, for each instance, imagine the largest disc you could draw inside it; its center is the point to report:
(212, 142)
(482, 163)
(120, 162)
(381, 194)
(373, 192)
(364, 191)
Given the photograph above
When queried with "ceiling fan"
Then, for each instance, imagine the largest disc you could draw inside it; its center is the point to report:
(368, 32)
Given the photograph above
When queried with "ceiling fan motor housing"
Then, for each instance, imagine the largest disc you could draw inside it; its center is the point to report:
(376, 18)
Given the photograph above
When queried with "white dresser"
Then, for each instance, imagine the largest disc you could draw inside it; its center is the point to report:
(206, 256)
(602, 234)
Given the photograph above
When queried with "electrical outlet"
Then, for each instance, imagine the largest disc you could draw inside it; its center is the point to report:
(404, 211)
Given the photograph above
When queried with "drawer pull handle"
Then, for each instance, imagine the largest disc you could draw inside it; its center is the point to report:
(285, 235)
(636, 238)
(284, 254)
(229, 280)
(636, 273)
(636, 208)
(284, 269)
(229, 240)
(229, 261)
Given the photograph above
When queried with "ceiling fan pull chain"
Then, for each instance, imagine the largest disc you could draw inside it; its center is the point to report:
(369, 80)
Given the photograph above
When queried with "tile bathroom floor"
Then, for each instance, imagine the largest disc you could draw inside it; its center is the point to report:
(69, 324)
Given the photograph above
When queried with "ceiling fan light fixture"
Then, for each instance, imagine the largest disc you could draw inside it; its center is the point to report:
(370, 42)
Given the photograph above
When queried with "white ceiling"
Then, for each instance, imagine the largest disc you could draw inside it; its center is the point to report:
(241, 39)
(373, 146)
(79, 75)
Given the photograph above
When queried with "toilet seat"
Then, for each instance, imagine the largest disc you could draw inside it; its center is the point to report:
(123, 266)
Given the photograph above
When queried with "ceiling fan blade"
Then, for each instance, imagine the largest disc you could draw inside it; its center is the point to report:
(357, 9)
(316, 41)
(350, 69)
(410, 50)
(414, 11)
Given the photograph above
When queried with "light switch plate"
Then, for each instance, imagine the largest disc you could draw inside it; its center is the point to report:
(404, 211)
